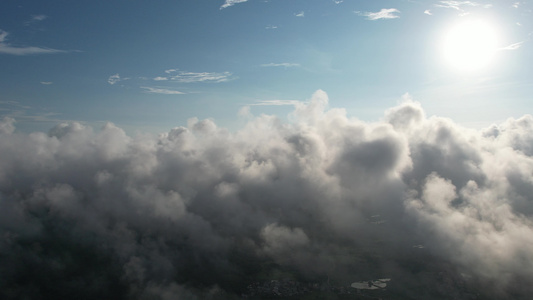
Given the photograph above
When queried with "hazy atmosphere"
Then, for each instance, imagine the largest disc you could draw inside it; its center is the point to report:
(250, 149)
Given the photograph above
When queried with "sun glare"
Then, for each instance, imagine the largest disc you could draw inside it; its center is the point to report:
(470, 45)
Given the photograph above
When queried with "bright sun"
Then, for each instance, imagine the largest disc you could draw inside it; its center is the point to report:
(470, 45)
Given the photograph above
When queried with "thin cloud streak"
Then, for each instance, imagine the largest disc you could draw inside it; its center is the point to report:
(458, 5)
(286, 65)
(276, 102)
(6, 48)
(159, 90)
(36, 19)
(513, 46)
(194, 77)
(384, 13)
(229, 3)
(39, 17)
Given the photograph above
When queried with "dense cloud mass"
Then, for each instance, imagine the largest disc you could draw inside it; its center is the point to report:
(200, 213)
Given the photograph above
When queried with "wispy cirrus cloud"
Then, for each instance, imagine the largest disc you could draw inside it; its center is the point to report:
(384, 13)
(300, 14)
(458, 5)
(192, 77)
(46, 82)
(513, 46)
(428, 12)
(7, 48)
(39, 17)
(229, 3)
(27, 114)
(286, 65)
(161, 90)
(35, 19)
(276, 102)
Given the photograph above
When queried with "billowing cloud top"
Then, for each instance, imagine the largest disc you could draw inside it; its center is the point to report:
(200, 212)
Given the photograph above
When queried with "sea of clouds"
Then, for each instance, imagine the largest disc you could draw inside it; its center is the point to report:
(199, 212)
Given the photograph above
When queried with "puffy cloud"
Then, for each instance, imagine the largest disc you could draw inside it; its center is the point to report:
(113, 79)
(7, 125)
(200, 212)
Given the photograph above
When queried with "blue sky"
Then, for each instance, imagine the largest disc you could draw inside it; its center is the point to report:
(148, 66)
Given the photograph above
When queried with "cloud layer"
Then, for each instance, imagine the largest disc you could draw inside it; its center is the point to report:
(200, 212)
